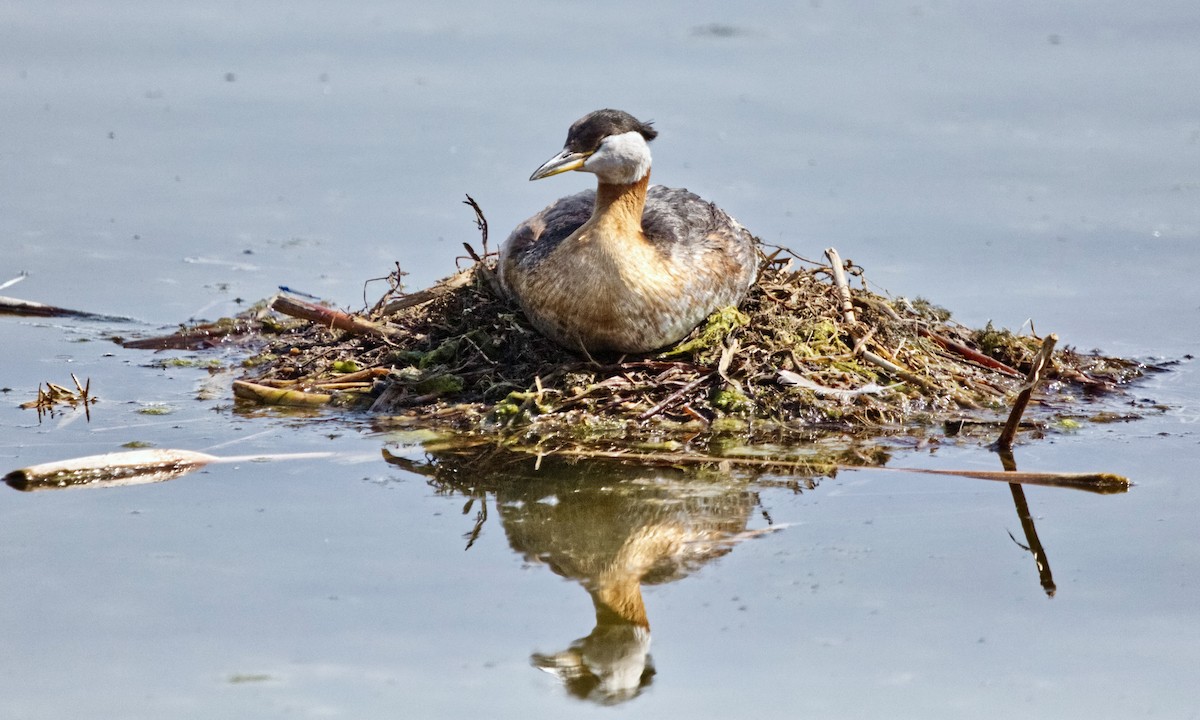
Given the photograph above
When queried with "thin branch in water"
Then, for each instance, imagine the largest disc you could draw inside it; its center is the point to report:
(1040, 362)
(28, 308)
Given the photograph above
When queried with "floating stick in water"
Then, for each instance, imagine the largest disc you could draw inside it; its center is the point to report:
(135, 467)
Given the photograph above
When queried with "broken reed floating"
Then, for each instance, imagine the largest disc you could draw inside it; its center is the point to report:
(132, 467)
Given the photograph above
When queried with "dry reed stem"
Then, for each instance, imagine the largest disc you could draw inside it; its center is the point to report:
(840, 282)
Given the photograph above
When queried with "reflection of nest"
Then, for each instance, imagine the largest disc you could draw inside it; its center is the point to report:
(582, 518)
(461, 356)
(658, 528)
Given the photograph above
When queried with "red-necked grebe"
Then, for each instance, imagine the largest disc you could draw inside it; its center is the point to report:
(625, 268)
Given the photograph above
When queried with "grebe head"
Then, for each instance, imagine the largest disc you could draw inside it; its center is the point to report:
(608, 143)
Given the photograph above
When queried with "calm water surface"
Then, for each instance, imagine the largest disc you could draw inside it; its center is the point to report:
(175, 161)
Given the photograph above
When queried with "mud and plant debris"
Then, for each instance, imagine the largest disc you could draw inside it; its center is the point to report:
(795, 356)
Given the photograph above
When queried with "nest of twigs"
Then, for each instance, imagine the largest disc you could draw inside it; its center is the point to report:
(803, 351)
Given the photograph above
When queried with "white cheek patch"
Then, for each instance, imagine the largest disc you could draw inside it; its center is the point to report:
(621, 159)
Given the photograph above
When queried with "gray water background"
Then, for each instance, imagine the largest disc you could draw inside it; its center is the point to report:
(1008, 161)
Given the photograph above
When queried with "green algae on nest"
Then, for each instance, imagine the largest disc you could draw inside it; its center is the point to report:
(710, 337)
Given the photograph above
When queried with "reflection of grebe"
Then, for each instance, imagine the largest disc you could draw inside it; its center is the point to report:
(614, 530)
(626, 268)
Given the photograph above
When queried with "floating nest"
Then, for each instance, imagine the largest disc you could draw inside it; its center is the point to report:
(804, 354)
